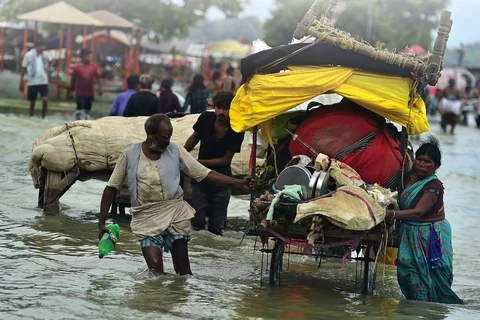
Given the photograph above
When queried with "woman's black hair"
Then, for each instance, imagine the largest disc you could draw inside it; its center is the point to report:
(166, 84)
(216, 75)
(197, 83)
(430, 147)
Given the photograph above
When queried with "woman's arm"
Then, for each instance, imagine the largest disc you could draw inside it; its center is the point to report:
(427, 201)
(187, 102)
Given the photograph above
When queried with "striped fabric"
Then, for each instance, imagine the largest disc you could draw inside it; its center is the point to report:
(163, 241)
(360, 145)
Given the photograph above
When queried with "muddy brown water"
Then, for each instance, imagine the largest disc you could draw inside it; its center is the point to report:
(50, 270)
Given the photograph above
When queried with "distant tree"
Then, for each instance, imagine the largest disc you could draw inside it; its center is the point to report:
(165, 17)
(285, 17)
(248, 28)
(397, 23)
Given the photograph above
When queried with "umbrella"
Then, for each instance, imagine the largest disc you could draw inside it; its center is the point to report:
(228, 46)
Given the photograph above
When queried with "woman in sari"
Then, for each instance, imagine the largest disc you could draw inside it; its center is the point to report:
(425, 253)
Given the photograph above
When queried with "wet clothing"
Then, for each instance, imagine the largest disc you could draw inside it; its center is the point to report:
(425, 253)
(163, 241)
(84, 77)
(198, 101)
(36, 66)
(84, 103)
(120, 103)
(34, 91)
(415, 192)
(143, 103)
(156, 210)
(210, 200)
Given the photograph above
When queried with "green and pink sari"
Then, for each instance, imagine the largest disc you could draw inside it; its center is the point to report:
(425, 253)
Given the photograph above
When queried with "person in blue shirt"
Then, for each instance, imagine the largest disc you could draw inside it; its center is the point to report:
(120, 102)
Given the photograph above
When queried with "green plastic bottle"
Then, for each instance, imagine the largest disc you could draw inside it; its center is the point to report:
(107, 243)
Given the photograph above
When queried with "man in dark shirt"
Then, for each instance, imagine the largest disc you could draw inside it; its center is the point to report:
(144, 102)
(218, 145)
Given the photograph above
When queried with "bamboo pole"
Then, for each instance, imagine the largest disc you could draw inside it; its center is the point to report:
(136, 60)
(69, 49)
(35, 32)
(92, 44)
(126, 66)
(84, 39)
(399, 60)
(431, 66)
(253, 159)
(59, 55)
(2, 48)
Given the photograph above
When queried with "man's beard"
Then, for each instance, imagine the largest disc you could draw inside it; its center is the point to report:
(156, 147)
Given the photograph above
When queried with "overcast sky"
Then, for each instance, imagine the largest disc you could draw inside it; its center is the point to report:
(465, 15)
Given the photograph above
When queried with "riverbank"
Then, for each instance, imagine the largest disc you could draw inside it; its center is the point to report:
(64, 108)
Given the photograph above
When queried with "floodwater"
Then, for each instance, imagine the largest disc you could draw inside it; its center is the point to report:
(50, 270)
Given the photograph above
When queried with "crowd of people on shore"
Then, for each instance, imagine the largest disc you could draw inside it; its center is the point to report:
(137, 100)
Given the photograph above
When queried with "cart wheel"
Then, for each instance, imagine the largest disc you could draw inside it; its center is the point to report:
(276, 263)
(369, 273)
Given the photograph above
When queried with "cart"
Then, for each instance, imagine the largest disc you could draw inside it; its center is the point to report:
(327, 61)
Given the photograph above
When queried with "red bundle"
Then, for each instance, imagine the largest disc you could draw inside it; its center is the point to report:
(355, 136)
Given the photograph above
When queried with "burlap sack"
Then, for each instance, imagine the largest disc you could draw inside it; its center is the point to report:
(99, 143)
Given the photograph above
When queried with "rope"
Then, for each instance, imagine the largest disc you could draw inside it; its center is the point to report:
(77, 160)
(275, 164)
(370, 211)
(412, 95)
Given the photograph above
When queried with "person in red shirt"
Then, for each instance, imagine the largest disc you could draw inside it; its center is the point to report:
(84, 76)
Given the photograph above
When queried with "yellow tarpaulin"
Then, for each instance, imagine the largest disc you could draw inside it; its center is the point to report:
(266, 96)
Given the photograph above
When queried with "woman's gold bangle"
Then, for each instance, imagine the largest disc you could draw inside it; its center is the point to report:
(393, 214)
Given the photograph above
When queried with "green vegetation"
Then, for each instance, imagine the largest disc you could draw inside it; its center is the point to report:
(166, 18)
(397, 23)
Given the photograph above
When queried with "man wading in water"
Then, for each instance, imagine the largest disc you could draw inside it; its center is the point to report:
(160, 216)
(84, 77)
(450, 106)
(218, 145)
(35, 64)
